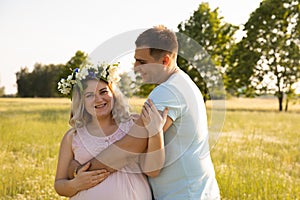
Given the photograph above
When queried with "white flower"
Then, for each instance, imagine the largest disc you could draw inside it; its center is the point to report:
(94, 67)
(101, 71)
(114, 79)
(64, 87)
(113, 69)
(70, 77)
(82, 73)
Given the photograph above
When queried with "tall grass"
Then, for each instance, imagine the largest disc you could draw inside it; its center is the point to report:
(257, 156)
(31, 130)
(258, 153)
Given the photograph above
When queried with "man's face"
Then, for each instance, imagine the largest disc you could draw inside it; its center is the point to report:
(150, 69)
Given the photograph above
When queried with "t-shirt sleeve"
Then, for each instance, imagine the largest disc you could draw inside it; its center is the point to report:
(163, 97)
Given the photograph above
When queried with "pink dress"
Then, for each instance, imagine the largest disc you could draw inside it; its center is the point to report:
(120, 185)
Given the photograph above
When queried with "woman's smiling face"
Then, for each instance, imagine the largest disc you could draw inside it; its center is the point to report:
(98, 98)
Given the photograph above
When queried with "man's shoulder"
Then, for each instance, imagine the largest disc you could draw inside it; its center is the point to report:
(163, 90)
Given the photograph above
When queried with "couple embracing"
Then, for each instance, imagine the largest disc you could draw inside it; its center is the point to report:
(162, 153)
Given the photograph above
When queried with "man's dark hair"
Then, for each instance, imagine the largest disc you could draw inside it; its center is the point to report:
(159, 40)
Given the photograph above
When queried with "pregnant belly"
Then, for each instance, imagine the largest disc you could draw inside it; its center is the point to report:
(119, 185)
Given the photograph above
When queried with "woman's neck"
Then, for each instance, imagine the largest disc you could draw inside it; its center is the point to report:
(102, 126)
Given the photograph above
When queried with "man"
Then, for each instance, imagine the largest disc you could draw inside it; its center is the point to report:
(188, 172)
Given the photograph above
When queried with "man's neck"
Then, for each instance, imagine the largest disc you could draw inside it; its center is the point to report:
(171, 70)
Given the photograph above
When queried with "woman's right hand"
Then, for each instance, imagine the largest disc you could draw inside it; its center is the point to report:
(87, 179)
(152, 119)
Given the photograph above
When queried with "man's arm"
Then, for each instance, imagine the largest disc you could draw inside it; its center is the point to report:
(118, 154)
(123, 151)
(129, 147)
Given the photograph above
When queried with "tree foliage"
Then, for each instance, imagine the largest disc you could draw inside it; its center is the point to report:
(204, 65)
(144, 90)
(42, 81)
(126, 85)
(2, 89)
(141, 89)
(266, 60)
(75, 62)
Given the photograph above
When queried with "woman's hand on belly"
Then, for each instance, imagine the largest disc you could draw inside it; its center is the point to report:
(88, 179)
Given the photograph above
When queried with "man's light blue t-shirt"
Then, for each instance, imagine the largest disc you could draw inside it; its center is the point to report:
(188, 172)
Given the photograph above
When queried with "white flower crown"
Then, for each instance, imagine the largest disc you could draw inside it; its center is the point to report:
(106, 72)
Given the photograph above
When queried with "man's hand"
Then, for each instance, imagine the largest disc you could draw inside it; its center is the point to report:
(74, 165)
(152, 119)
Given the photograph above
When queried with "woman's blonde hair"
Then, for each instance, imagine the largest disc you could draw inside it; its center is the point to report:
(79, 117)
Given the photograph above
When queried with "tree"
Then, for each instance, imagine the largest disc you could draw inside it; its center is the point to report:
(204, 65)
(144, 90)
(2, 89)
(126, 85)
(75, 62)
(41, 82)
(141, 89)
(269, 54)
(24, 83)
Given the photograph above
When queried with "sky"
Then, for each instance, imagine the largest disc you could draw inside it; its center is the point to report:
(51, 31)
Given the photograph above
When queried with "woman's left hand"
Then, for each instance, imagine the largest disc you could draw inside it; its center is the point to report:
(87, 179)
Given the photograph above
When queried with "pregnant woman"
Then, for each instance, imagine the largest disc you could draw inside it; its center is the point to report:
(99, 117)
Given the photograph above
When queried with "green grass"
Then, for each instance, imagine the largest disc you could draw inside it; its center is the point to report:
(258, 153)
(257, 156)
(31, 130)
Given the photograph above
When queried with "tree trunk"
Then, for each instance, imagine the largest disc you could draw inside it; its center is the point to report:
(280, 98)
(286, 104)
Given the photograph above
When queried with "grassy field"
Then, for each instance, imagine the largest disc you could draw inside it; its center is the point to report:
(257, 155)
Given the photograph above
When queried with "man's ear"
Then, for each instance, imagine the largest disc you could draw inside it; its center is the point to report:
(166, 60)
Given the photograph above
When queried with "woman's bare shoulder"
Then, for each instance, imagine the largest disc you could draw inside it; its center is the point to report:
(69, 134)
